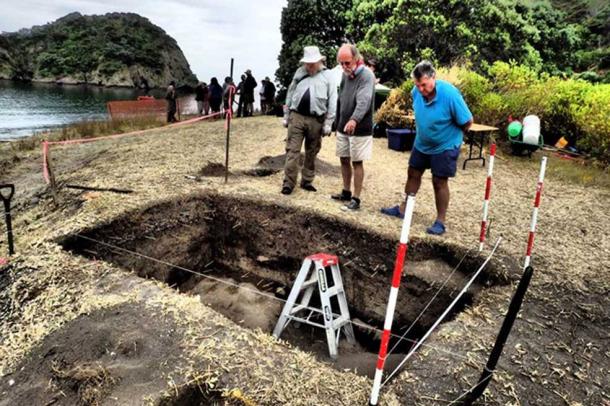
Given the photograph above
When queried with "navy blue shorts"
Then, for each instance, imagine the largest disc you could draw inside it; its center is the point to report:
(443, 165)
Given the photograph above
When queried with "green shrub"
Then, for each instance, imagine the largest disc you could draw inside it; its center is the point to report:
(473, 86)
(563, 97)
(593, 118)
(510, 76)
(491, 109)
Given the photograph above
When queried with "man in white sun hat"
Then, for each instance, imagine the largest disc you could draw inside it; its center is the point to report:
(309, 112)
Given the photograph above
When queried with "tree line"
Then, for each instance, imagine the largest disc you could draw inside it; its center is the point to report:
(559, 37)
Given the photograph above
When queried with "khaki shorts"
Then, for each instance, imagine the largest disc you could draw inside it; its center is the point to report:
(357, 147)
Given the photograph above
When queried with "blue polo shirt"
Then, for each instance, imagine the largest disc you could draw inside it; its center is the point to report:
(438, 121)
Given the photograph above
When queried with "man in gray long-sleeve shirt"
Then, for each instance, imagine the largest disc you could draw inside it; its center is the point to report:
(354, 123)
(309, 112)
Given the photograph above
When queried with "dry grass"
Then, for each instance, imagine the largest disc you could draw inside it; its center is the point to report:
(92, 382)
(576, 172)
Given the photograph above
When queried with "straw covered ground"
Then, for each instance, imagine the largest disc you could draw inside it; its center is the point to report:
(80, 330)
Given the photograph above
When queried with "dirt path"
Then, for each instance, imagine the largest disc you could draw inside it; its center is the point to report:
(557, 353)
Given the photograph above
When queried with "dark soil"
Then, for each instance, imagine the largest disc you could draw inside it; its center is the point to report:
(213, 169)
(263, 246)
(93, 356)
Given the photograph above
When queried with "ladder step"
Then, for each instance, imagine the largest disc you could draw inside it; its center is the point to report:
(306, 321)
(311, 282)
(298, 308)
(340, 322)
(334, 291)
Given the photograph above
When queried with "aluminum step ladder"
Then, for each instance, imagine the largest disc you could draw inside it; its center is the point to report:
(309, 279)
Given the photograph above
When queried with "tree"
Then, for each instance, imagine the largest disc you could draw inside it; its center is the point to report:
(401, 32)
(310, 22)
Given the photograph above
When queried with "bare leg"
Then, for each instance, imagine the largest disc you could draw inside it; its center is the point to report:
(358, 178)
(346, 173)
(441, 197)
(412, 185)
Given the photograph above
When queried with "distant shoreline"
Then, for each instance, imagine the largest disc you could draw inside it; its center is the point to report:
(85, 84)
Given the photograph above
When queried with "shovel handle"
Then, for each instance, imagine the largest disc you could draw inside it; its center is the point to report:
(11, 189)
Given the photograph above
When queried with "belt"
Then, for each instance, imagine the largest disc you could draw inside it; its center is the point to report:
(310, 115)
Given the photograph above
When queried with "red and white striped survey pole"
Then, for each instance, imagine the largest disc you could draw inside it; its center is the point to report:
(530, 240)
(389, 316)
(490, 170)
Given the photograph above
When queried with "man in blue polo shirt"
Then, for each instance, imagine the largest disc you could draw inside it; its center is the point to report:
(441, 118)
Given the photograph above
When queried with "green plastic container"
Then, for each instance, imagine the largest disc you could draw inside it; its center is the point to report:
(514, 130)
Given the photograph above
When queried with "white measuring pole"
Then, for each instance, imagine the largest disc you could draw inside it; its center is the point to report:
(389, 316)
(490, 170)
(530, 240)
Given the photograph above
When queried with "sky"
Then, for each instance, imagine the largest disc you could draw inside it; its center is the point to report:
(209, 32)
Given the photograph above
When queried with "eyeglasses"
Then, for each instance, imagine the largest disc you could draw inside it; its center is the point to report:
(348, 63)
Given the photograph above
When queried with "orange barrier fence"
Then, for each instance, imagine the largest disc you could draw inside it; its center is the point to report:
(141, 107)
(149, 106)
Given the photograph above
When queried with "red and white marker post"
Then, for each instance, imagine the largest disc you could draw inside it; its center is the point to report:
(490, 170)
(389, 316)
(530, 240)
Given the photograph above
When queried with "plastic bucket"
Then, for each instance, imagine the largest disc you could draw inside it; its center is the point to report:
(531, 130)
(514, 130)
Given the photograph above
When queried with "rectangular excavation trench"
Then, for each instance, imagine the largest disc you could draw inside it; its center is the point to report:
(261, 247)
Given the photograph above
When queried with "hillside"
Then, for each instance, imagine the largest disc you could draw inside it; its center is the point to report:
(116, 49)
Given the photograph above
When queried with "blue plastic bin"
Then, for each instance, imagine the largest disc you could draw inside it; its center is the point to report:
(400, 139)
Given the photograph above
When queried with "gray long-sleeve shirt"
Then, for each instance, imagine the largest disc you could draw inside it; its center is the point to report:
(322, 93)
(356, 98)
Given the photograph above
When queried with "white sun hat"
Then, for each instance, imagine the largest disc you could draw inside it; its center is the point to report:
(312, 54)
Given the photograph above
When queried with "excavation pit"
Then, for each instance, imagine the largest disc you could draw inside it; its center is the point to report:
(248, 248)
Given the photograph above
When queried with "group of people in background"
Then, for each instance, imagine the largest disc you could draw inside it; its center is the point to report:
(210, 98)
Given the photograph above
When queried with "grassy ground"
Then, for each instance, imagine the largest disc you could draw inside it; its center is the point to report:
(557, 353)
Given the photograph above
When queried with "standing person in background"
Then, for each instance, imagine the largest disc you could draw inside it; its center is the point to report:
(171, 97)
(309, 112)
(248, 93)
(200, 91)
(206, 99)
(215, 95)
(354, 123)
(228, 98)
(441, 118)
(240, 92)
(261, 94)
(269, 95)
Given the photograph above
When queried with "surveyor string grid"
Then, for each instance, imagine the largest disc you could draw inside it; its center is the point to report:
(442, 316)
(429, 302)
